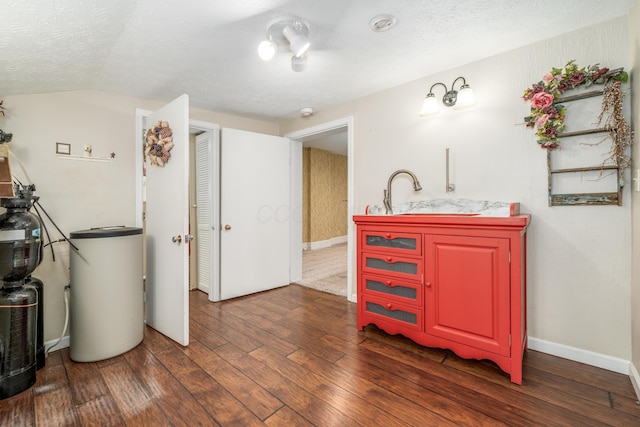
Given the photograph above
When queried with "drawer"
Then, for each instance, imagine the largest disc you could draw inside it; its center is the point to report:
(391, 242)
(383, 311)
(392, 265)
(401, 291)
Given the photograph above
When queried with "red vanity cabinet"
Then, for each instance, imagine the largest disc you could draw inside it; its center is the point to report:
(456, 282)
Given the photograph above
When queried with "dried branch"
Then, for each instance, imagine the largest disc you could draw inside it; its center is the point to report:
(619, 131)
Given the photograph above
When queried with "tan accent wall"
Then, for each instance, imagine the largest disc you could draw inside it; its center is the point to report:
(324, 186)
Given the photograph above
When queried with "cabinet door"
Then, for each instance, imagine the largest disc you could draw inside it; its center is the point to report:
(467, 291)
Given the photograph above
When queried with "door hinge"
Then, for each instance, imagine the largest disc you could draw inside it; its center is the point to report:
(509, 340)
(509, 257)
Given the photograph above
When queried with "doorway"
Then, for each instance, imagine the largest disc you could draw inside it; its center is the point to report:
(337, 137)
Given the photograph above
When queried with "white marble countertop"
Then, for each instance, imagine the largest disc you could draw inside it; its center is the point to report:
(451, 206)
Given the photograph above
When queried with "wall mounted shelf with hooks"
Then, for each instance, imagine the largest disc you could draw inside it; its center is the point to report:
(88, 159)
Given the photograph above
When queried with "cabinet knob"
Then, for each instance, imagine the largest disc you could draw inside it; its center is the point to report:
(389, 306)
(388, 282)
(428, 284)
(389, 259)
(388, 235)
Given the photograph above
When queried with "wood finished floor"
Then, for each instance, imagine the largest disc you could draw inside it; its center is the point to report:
(293, 357)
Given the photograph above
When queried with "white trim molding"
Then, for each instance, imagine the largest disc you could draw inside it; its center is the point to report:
(598, 360)
(321, 244)
(57, 344)
(635, 379)
(351, 229)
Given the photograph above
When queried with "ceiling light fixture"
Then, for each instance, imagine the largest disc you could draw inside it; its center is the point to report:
(290, 31)
(382, 23)
(461, 99)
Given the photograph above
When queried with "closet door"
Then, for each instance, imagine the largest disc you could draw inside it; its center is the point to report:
(255, 213)
(204, 228)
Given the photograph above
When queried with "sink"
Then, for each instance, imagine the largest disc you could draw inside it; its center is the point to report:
(450, 207)
(435, 214)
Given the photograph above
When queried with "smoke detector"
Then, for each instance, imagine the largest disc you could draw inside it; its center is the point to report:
(382, 23)
(306, 112)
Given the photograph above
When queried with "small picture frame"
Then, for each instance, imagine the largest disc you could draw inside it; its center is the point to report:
(62, 148)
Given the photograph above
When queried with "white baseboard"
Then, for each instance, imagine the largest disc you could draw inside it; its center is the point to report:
(598, 360)
(321, 244)
(64, 343)
(635, 379)
(353, 298)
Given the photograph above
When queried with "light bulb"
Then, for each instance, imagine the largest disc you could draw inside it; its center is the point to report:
(465, 97)
(266, 50)
(430, 105)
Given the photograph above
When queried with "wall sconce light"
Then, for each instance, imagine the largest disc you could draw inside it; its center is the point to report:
(288, 31)
(460, 98)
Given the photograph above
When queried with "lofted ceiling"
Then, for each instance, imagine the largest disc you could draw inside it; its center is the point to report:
(160, 49)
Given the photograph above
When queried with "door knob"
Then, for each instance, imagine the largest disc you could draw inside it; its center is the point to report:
(227, 227)
(177, 239)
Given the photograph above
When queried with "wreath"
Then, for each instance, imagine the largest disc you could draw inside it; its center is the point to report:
(159, 142)
(547, 116)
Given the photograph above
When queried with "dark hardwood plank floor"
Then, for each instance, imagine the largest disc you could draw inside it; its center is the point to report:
(293, 357)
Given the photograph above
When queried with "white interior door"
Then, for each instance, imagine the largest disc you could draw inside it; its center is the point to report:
(204, 210)
(255, 212)
(167, 228)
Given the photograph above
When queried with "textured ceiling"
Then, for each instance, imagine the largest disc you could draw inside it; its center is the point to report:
(160, 49)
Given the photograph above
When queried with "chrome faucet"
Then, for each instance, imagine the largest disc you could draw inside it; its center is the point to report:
(387, 193)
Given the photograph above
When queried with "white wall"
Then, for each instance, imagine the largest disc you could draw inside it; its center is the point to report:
(578, 256)
(81, 194)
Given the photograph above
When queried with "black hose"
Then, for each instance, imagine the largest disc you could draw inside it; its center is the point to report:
(46, 231)
(56, 226)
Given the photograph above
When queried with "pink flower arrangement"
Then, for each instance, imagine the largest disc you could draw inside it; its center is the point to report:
(546, 115)
(541, 100)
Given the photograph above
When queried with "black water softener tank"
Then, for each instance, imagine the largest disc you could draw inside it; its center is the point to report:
(20, 254)
(37, 284)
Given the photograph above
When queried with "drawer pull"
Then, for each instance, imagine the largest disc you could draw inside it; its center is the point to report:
(389, 306)
(388, 283)
(388, 235)
(389, 259)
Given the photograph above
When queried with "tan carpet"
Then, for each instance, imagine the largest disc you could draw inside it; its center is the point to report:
(325, 269)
